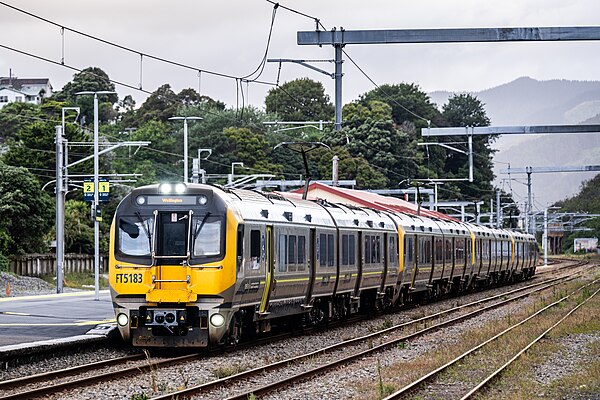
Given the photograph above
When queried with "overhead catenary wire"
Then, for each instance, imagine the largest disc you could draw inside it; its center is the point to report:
(128, 49)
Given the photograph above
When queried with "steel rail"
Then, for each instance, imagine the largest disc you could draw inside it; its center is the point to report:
(496, 373)
(26, 380)
(28, 394)
(270, 367)
(127, 371)
(425, 378)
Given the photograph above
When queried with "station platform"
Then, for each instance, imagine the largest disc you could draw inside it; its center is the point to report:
(28, 322)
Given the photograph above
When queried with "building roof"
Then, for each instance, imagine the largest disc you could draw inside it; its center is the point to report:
(365, 199)
(13, 90)
(18, 83)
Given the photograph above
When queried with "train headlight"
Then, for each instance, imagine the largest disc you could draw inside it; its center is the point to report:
(217, 320)
(165, 188)
(202, 199)
(141, 200)
(122, 319)
(180, 188)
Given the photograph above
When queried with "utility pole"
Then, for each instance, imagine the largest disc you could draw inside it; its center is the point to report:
(185, 143)
(338, 45)
(498, 210)
(528, 208)
(545, 237)
(95, 208)
(60, 207)
(334, 175)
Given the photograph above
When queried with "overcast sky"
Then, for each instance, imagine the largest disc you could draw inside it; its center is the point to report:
(230, 37)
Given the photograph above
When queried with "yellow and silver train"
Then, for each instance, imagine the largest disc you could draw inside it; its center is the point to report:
(197, 265)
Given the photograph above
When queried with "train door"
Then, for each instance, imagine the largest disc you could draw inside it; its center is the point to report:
(264, 303)
(386, 262)
(312, 265)
(361, 264)
(173, 232)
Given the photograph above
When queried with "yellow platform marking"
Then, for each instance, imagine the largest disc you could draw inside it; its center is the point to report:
(51, 296)
(77, 323)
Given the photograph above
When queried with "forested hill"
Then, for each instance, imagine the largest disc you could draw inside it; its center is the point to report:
(588, 200)
(529, 101)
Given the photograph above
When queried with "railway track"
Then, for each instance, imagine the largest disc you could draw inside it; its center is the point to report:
(347, 346)
(47, 383)
(412, 388)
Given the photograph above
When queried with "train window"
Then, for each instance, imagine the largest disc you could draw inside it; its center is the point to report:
(291, 255)
(283, 240)
(239, 256)
(439, 251)
(301, 252)
(135, 236)
(393, 252)
(292, 250)
(376, 250)
(367, 249)
(172, 231)
(330, 250)
(409, 247)
(345, 249)
(322, 246)
(425, 251)
(254, 249)
(206, 234)
(352, 250)
(460, 250)
(448, 255)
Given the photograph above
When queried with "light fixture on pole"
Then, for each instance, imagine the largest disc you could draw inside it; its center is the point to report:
(233, 164)
(185, 143)
(95, 203)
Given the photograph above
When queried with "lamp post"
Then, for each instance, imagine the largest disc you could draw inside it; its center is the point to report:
(185, 143)
(233, 164)
(95, 203)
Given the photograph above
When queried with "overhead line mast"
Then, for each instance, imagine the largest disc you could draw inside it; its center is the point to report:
(339, 38)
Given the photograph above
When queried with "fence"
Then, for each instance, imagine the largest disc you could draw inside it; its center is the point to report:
(45, 264)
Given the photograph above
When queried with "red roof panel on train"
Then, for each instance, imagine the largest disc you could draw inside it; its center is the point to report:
(363, 198)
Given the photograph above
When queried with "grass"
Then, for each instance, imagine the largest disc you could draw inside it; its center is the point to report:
(518, 381)
(228, 370)
(78, 280)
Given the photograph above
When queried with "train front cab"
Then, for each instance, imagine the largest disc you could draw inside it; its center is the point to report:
(172, 266)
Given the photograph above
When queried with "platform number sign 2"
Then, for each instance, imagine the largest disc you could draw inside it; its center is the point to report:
(103, 189)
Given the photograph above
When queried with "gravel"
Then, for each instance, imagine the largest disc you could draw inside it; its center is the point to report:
(23, 285)
(340, 383)
(573, 353)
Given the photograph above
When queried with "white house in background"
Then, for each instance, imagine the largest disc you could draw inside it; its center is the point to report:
(28, 90)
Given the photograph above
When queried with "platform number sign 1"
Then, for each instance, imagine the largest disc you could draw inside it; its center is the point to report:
(103, 189)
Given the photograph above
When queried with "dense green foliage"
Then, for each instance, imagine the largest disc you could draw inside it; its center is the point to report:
(586, 201)
(26, 212)
(300, 100)
(378, 147)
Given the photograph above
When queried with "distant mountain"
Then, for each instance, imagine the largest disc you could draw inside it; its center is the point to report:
(526, 101)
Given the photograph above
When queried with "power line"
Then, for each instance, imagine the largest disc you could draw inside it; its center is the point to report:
(125, 48)
(384, 93)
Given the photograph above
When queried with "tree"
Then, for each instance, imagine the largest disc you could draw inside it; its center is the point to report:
(466, 110)
(79, 231)
(300, 100)
(91, 79)
(27, 212)
(371, 134)
(164, 103)
(408, 102)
